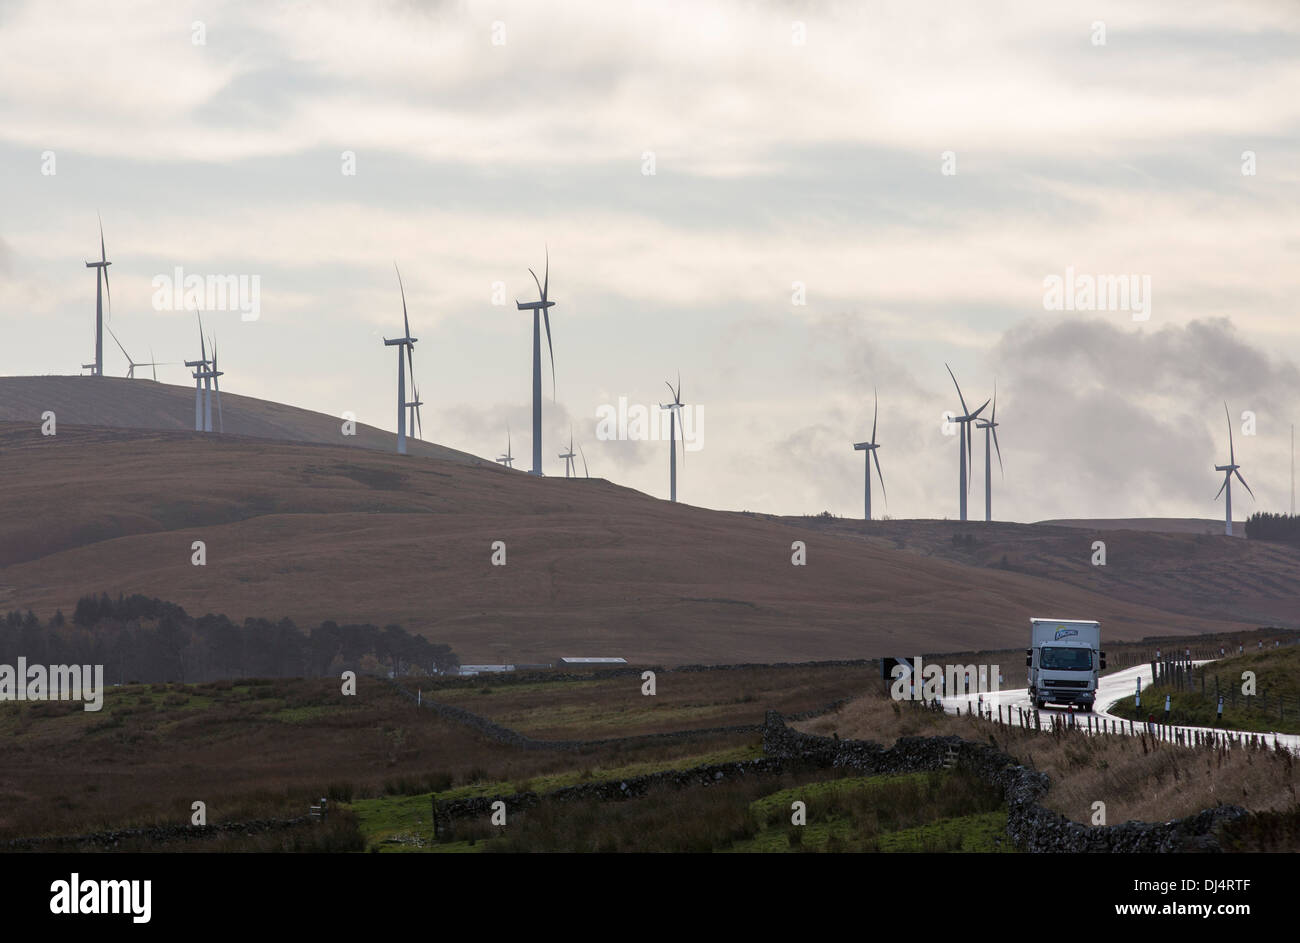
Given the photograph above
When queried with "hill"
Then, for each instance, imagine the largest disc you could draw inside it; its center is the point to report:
(1156, 525)
(115, 402)
(1191, 574)
(319, 532)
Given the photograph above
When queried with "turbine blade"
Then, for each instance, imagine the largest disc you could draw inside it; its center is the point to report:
(406, 321)
(980, 410)
(585, 473)
(154, 364)
(546, 315)
(959, 396)
(541, 291)
(203, 348)
(119, 345)
(1243, 481)
(108, 292)
(546, 284)
(874, 415)
(879, 474)
(994, 430)
(1226, 479)
(993, 417)
(1232, 458)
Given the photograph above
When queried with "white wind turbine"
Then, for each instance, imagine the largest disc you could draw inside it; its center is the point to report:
(674, 410)
(990, 426)
(870, 448)
(1228, 471)
(507, 459)
(964, 432)
(408, 342)
(131, 364)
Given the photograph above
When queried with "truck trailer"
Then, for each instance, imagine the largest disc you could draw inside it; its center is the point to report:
(1064, 660)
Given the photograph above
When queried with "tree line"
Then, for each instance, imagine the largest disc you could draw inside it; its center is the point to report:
(1267, 526)
(140, 639)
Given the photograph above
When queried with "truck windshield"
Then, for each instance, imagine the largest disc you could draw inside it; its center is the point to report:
(1067, 659)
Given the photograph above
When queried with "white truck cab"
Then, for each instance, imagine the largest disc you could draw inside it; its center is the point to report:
(1064, 660)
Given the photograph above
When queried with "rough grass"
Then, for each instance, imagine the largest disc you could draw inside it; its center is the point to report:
(615, 707)
(927, 811)
(752, 815)
(1277, 675)
(1135, 777)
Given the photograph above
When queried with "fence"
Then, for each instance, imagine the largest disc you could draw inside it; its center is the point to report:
(1184, 676)
(1035, 720)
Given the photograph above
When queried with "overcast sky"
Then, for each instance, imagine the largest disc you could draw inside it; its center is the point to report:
(792, 143)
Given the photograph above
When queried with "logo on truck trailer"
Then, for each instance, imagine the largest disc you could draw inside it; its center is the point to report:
(1065, 633)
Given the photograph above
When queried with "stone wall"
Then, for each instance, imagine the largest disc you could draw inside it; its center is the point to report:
(447, 811)
(1031, 826)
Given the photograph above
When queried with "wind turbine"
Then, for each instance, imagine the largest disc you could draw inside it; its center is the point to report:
(202, 378)
(541, 310)
(101, 288)
(990, 426)
(408, 342)
(674, 408)
(131, 364)
(870, 448)
(508, 459)
(1228, 471)
(964, 421)
(416, 426)
(568, 457)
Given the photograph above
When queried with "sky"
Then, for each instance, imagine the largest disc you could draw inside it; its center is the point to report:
(791, 205)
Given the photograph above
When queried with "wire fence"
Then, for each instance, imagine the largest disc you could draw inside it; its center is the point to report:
(1069, 722)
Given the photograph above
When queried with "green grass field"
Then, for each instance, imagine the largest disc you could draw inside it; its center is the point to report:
(1276, 708)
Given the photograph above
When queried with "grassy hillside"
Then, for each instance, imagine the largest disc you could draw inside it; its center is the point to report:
(1196, 575)
(1275, 706)
(316, 532)
(115, 402)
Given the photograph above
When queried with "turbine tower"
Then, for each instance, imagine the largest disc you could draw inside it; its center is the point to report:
(408, 342)
(541, 311)
(870, 449)
(202, 378)
(674, 408)
(101, 288)
(508, 459)
(1228, 471)
(964, 432)
(990, 426)
(569, 456)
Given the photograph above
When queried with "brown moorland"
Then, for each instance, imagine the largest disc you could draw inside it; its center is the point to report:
(1193, 574)
(317, 532)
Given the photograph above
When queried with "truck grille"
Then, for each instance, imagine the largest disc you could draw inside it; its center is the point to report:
(1067, 684)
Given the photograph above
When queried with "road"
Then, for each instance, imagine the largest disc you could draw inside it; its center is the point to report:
(1016, 705)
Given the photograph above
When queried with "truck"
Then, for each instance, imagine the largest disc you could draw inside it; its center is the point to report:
(1064, 659)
